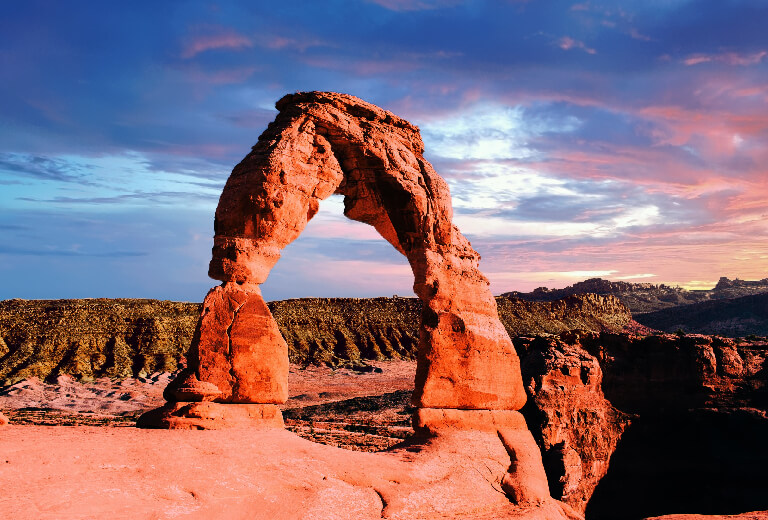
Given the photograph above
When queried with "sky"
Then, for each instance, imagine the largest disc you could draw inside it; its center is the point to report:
(623, 140)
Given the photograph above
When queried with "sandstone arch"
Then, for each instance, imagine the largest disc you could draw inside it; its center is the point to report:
(322, 143)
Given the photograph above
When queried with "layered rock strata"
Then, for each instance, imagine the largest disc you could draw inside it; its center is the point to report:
(93, 338)
(319, 144)
(118, 338)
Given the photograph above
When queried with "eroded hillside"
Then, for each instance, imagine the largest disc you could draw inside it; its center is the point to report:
(123, 337)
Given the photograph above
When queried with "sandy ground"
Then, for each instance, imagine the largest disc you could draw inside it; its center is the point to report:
(308, 386)
(364, 410)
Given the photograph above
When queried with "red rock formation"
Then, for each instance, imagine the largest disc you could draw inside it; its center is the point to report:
(3, 420)
(697, 441)
(576, 428)
(325, 143)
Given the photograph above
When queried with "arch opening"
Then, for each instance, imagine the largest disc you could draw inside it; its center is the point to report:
(336, 257)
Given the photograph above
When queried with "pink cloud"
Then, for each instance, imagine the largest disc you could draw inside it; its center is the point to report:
(718, 132)
(584, 6)
(674, 256)
(567, 43)
(394, 64)
(729, 58)
(637, 35)
(221, 39)
(414, 5)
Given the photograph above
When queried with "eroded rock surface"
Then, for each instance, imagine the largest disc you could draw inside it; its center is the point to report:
(697, 441)
(91, 338)
(268, 474)
(577, 429)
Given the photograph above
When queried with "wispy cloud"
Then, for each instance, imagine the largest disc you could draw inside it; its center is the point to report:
(729, 58)
(291, 43)
(637, 35)
(52, 251)
(567, 43)
(220, 76)
(160, 197)
(217, 38)
(44, 168)
(583, 6)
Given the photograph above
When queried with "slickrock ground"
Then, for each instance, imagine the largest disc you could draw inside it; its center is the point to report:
(121, 473)
(702, 450)
(364, 411)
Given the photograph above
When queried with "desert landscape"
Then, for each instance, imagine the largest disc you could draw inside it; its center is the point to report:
(384, 259)
(362, 402)
(555, 404)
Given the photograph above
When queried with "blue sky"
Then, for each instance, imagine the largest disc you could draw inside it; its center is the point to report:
(626, 140)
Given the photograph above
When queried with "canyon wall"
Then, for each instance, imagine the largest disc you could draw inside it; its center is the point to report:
(697, 408)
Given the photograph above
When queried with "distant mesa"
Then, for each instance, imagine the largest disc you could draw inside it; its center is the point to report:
(648, 297)
(733, 308)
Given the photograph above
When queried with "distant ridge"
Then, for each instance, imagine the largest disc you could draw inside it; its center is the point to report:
(648, 297)
(733, 317)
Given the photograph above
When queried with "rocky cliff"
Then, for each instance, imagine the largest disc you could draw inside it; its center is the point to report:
(647, 297)
(698, 407)
(121, 337)
(576, 427)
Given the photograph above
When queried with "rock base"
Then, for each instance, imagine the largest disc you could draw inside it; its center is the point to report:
(433, 421)
(212, 416)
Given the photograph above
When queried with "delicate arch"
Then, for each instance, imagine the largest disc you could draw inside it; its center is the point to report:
(322, 143)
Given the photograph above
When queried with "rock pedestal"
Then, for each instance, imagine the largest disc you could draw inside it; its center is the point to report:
(319, 144)
(238, 367)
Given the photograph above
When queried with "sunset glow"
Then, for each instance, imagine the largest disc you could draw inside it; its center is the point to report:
(625, 140)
